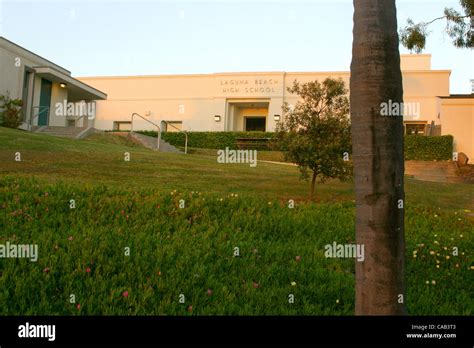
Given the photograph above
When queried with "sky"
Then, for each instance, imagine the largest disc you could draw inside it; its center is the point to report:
(103, 37)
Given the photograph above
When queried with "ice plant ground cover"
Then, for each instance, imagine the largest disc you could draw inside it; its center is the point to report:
(128, 248)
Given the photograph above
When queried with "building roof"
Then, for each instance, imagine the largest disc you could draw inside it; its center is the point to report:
(458, 96)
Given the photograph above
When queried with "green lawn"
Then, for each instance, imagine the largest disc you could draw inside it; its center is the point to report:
(190, 250)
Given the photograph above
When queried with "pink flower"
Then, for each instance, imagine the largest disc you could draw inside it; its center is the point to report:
(255, 285)
(70, 238)
(209, 292)
(88, 270)
(298, 258)
(78, 306)
(46, 270)
(125, 294)
(46, 194)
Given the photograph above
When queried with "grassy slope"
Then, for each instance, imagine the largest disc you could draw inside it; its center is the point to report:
(100, 160)
(193, 247)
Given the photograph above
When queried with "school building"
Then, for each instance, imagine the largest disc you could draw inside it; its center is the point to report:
(241, 101)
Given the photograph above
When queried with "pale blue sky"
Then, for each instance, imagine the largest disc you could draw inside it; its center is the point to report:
(93, 38)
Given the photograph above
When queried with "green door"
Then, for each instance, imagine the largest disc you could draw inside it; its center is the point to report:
(45, 102)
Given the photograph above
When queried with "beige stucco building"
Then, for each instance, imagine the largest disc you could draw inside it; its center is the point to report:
(215, 102)
(43, 86)
(253, 101)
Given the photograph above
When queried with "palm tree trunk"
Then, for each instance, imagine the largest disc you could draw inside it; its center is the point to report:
(378, 158)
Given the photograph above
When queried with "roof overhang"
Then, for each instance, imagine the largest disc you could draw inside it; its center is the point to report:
(76, 89)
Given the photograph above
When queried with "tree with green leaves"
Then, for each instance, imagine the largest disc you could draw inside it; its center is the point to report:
(459, 27)
(315, 133)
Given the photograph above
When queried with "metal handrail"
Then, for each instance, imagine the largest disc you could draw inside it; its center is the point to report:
(37, 114)
(77, 119)
(185, 134)
(159, 128)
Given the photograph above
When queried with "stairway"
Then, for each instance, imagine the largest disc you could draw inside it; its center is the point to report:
(67, 132)
(151, 143)
(444, 171)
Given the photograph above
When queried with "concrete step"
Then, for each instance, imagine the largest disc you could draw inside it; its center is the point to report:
(439, 178)
(443, 171)
(152, 143)
(68, 132)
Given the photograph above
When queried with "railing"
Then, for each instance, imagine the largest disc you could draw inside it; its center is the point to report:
(30, 125)
(77, 119)
(159, 129)
(179, 130)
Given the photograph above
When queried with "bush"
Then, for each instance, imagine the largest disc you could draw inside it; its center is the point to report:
(208, 140)
(425, 148)
(10, 116)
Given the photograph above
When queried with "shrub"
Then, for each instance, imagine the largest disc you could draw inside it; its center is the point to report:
(10, 116)
(208, 140)
(425, 148)
(417, 147)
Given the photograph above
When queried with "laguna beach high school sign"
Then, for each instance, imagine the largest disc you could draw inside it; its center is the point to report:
(256, 86)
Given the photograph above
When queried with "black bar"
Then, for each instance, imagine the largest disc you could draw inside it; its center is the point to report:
(242, 330)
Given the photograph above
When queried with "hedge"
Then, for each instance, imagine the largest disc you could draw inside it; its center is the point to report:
(417, 147)
(423, 148)
(208, 140)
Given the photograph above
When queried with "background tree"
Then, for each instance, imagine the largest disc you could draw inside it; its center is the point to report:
(315, 133)
(377, 145)
(459, 27)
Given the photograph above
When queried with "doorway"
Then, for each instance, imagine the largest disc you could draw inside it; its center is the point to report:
(255, 123)
(45, 102)
(247, 115)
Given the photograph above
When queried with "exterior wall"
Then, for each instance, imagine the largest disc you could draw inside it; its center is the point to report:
(195, 99)
(58, 95)
(457, 119)
(415, 62)
(12, 76)
(14, 61)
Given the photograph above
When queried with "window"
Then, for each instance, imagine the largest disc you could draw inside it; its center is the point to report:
(173, 126)
(255, 124)
(418, 128)
(122, 125)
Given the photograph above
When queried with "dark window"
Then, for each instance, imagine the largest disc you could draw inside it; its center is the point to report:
(255, 124)
(415, 128)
